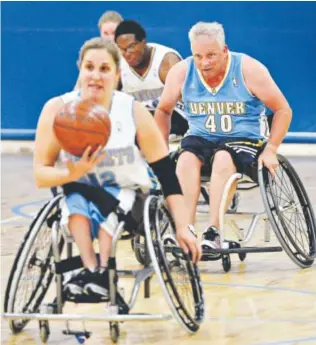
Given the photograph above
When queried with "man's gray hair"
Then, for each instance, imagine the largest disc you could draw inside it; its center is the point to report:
(212, 30)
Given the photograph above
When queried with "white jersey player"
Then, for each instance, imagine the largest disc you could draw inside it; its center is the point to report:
(145, 67)
(93, 180)
(123, 165)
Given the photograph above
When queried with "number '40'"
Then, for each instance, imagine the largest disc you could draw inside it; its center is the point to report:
(226, 123)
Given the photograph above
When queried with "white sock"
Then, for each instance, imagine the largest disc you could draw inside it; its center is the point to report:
(92, 269)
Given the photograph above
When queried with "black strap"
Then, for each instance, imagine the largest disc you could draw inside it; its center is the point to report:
(105, 201)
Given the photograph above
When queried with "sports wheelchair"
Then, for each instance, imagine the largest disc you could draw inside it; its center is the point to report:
(287, 209)
(45, 255)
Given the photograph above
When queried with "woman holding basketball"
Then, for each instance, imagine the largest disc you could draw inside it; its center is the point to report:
(119, 167)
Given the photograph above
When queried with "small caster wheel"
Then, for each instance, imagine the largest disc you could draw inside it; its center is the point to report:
(226, 263)
(139, 249)
(115, 331)
(44, 331)
(242, 256)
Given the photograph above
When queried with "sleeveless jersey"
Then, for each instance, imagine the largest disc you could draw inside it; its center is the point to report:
(123, 165)
(227, 111)
(149, 86)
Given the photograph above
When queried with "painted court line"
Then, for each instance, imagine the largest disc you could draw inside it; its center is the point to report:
(290, 342)
(261, 287)
(19, 214)
(8, 220)
(260, 320)
(18, 208)
(12, 219)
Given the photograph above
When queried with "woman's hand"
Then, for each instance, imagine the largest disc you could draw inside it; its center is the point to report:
(85, 164)
(189, 243)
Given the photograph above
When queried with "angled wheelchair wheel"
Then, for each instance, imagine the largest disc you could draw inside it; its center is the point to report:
(31, 273)
(290, 212)
(178, 276)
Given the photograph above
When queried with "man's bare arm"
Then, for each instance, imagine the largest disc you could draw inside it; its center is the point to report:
(261, 84)
(170, 95)
(167, 63)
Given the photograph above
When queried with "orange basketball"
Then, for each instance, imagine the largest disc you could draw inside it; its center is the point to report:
(80, 124)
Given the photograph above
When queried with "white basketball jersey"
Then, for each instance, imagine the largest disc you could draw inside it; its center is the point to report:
(123, 165)
(147, 87)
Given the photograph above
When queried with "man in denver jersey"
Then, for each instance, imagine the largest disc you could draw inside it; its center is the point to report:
(224, 95)
(145, 67)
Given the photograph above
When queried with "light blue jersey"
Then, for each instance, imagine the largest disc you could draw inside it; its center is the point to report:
(227, 111)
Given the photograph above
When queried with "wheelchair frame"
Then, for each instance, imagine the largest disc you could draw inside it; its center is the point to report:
(240, 248)
(117, 312)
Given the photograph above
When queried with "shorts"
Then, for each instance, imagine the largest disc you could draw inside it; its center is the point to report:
(75, 203)
(244, 152)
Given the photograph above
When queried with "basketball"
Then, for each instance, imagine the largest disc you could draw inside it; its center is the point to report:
(80, 124)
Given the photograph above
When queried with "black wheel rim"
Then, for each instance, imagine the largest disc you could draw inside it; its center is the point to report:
(181, 277)
(291, 211)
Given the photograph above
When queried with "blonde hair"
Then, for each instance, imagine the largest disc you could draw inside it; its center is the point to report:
(100, 43)
(212, 30)
(110, 16)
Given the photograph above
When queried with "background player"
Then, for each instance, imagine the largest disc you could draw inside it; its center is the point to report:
(107, 25)
(145, 67)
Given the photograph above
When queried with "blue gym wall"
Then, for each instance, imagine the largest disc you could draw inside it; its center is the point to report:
(40, 43)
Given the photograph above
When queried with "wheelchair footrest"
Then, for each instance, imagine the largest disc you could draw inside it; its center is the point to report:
(237, 250)
(85, 334)
(84, 299)
(217, 254)
(123, 307)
